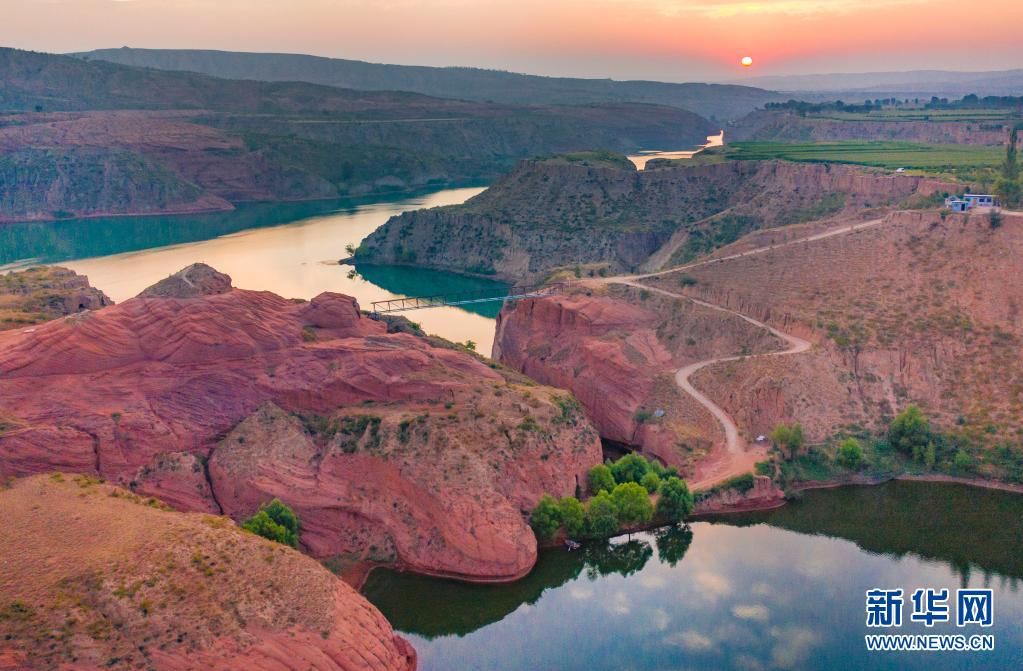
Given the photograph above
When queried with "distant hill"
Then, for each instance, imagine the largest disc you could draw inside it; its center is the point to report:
(914, 82)
(91, 137)
(719, 101)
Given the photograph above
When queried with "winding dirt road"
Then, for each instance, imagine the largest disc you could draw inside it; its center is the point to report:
(740, 456)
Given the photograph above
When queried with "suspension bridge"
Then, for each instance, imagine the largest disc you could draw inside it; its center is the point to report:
(465, 298)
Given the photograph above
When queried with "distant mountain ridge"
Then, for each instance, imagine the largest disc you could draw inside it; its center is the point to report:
(720, 101)
(86, 138)
(932, 82)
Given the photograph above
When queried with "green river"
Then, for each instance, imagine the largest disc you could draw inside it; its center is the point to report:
(291, 249)
(782, 589)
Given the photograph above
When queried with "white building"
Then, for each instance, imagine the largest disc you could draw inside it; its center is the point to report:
(970, 201)
(979, 200)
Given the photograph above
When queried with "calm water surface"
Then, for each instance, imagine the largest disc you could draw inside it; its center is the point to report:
(640, 160)
(782, 589)
(290, 249)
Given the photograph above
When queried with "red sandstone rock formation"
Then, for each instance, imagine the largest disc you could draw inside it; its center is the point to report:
(388, 445)
(617, 351)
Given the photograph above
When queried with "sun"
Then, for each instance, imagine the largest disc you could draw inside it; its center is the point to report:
(746, 61)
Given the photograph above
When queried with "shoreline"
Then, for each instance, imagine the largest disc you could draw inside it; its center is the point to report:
(372, 196)
(360, 571)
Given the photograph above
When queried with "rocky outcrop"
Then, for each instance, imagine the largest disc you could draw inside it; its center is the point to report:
(763, 494)
(564, 213)
(143, 587)
(40, 294)
(617, 351)
(197, 279)
(218, 399)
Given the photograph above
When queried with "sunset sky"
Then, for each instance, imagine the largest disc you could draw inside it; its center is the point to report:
(671, 40)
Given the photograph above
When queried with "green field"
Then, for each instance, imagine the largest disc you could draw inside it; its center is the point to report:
(881, 154)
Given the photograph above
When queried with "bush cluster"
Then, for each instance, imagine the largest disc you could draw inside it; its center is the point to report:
(275, 521)
(621, 499)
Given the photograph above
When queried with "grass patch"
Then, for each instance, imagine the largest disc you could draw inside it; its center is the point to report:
(881, 154)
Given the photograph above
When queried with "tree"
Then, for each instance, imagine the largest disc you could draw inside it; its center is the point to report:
(1008, 185)
(630, 468)
(633, 503)
(600, 479)
(910, 432)
(651, 482)
(602, 516)
(470, 345)
(275, 521)
(788, 438)
(850, 454)
(573, 515)
(546, 518)
(963, 461)
(675, 502)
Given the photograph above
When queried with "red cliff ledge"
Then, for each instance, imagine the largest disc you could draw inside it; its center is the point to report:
(389, 446)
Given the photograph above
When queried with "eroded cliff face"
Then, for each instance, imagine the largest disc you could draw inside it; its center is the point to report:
(782, 126)
(132, 586)
(213, 398)
(40, 294)
(554, 213)
(617, 350)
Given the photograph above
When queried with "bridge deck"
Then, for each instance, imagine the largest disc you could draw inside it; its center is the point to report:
(467, 298)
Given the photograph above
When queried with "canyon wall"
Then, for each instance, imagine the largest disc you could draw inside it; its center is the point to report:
(576, 211)
(781, 126)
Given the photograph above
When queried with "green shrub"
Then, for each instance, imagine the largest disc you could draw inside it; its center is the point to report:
(850, 454)
(630, 468)
(275, 521)
(602, 516)
(546, 518)
(633, 503)
(788, 437)
(963, 461)
(573, 515)
(742, 483)
(600, 479)
(651, 482)
(676, 501)
(910, 432)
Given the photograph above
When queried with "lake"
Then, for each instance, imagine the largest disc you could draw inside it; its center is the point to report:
(291, 249)
(781, 589)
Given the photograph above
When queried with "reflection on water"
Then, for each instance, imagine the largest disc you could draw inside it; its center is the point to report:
(290, 249)
(640, 160)
(781, 589)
